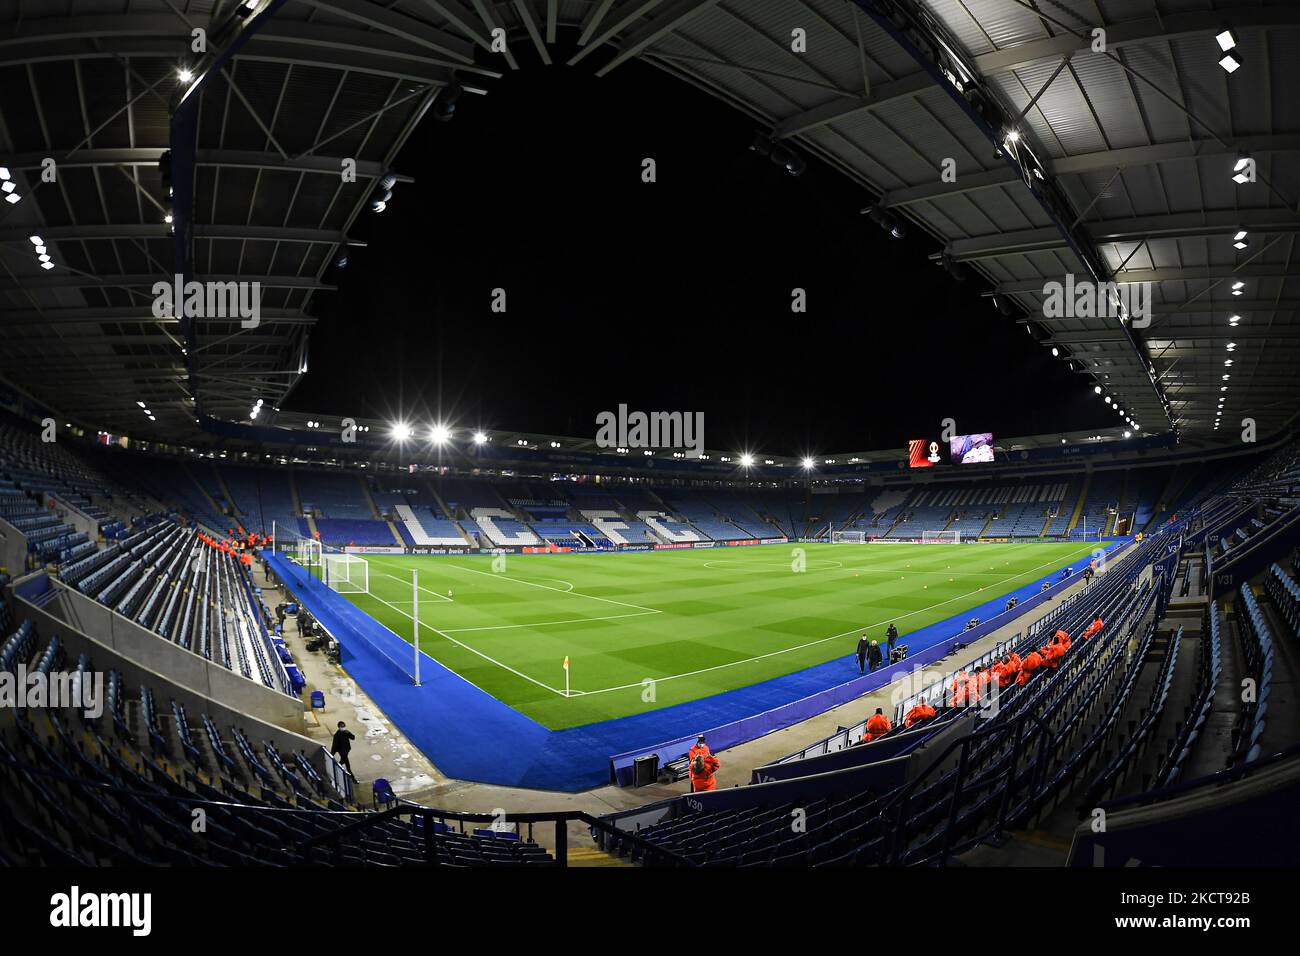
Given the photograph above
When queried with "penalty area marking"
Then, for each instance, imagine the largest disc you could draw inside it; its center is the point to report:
(461, 644)
(545, 587)
(448, 632)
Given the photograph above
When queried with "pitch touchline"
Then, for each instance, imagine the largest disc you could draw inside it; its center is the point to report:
(453, 640)
(823, 640)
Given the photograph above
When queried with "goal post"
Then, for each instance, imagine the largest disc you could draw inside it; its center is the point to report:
(303, 551)
(941, 537)
(347, 573)
(848, 537)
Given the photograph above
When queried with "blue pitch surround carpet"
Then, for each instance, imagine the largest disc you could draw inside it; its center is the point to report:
(470, 735)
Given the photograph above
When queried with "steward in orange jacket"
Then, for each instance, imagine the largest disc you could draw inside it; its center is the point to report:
(1052, 654)
(983, 678)
(1062, 637)
(922, 711)
(1028, 667)
(960, 689)
(702, 767)
(1004, 673)
(1013, 661)
(1092, 629)
(877, 726)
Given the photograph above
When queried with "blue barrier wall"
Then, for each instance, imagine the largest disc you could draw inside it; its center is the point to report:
(462, 729)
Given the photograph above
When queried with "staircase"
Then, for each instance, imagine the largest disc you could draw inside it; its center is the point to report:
(442, 505)
(593, 856)
(1113, 521)
(1078, 505)
(216, 508)
(294, 496)
(1179, 479)
(225, 490)
(370, 499)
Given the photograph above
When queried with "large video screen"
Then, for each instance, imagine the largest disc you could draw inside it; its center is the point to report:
(971, 449)
(922, 453)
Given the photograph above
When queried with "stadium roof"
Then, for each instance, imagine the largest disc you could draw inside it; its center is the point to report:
(1121, 169)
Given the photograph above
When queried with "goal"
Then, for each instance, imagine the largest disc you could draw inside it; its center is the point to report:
(347, 573)
(306, 552)
(848, 537)
(941, 537)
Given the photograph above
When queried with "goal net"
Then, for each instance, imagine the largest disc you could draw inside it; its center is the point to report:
(941, 537)
(303, 551)
(347, 573)
(848, 537)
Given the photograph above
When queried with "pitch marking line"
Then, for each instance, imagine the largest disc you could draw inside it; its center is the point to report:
(453, 640)
(772, 567)
(440, 597)
(573, 620)
(546, 587)
(704, 670)
(499, 627)
(402, 667)
(823, 640)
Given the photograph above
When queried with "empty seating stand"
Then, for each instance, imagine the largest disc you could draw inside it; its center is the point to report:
(122, 789)
(166, 580)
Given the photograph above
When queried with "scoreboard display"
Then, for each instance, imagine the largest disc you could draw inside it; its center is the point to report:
(922, 453)
(971, 449)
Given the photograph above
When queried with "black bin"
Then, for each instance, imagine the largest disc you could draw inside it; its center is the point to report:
(645, 770)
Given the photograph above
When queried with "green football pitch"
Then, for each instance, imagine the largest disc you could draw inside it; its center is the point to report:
(651, 629)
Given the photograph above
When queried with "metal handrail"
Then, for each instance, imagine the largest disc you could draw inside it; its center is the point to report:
(1212, 779)
(367, 818)
(561, 819)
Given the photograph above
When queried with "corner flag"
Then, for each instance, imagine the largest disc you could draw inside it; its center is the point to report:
(566, 675)
(566, 662)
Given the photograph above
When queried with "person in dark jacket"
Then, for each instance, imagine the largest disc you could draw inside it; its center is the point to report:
(863, 645)
(891, 638)
(874, 656)
(342, 745)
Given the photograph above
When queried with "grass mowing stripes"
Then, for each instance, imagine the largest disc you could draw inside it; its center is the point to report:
(691, 623)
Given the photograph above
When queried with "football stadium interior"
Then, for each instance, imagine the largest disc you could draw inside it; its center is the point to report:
(385, 640)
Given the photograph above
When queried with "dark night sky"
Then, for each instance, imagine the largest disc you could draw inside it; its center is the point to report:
(673, 295)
